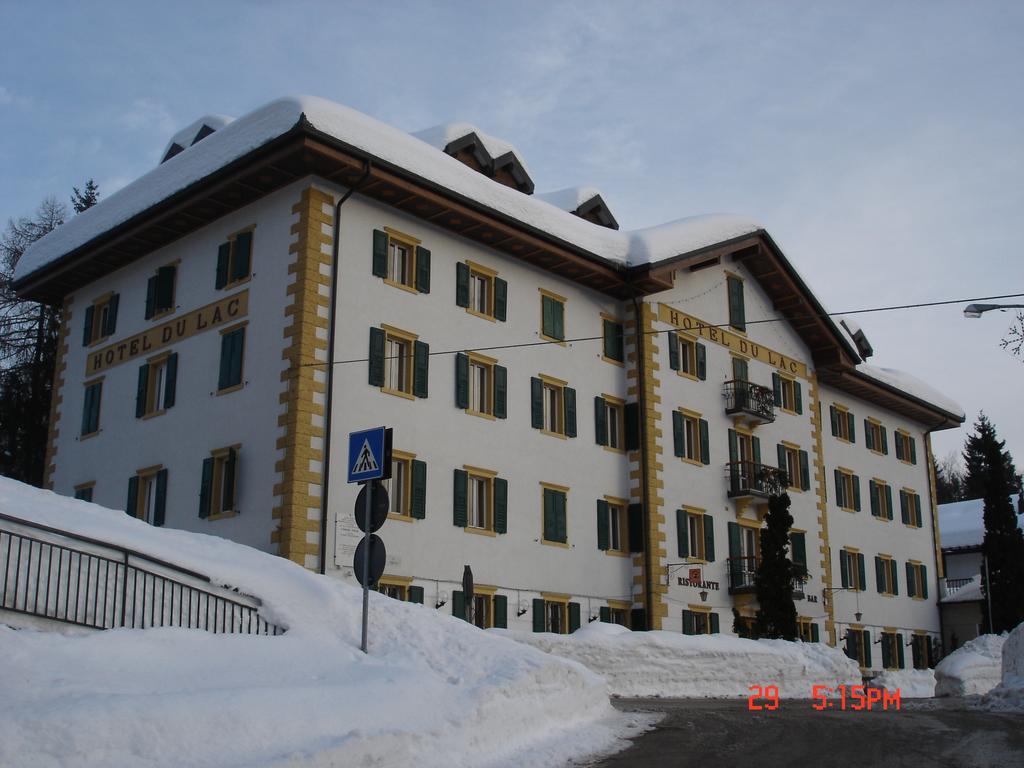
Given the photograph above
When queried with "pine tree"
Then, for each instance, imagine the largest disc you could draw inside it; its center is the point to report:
(992, 476)
(87, 199)
(776, 616)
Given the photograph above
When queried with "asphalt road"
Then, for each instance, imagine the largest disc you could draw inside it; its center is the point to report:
(718, 734)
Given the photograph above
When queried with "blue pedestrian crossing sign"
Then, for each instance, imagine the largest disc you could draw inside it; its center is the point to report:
(368, 455)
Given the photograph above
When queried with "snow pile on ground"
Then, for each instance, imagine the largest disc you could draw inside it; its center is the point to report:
(973, 668)
(1009, 694)
(690, 666)
(911, 683)
(434, 691)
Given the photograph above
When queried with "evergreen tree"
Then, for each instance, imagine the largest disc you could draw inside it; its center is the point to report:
(992, 476)
(87, 198)
(949, 480)
(776, 616)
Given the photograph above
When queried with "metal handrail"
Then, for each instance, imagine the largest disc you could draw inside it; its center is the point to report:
(742, 395)
(750, 476)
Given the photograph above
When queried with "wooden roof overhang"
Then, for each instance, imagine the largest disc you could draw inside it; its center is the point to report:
(862, 386)
(301, 152)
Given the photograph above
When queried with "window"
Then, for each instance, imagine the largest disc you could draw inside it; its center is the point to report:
(401, 260)
(695, 534)
(394, 591)
(480, 501)
(807, 630)
(881, 499)
(687, 356)
(917, 580)
(612, 531)
(480, 385)
(234, 259)
(147, 495)
(842, 423)
(788, 394)
(157, 385)
(847, 490)
(613, 349)
(398, 362)
(160, 292)
(858, 646)
(875, 437)
(794, 462)
(798, 551)
(552, 316)
(481, 291)
(906, 447)
(83, 492)
(554, 514)
(218, 488)
(100, 319)
(407, 487)
(552, 406)
(615, 613)
(910, 508)
(554, 617)
(885, 575)
(690, 437)
(487, 608)
(892, 650)
(851, 570)
(737, 312)
(554, 613)
(700, 621)
(398, 588)
(232, 354)
(610, 422)
(91, 407)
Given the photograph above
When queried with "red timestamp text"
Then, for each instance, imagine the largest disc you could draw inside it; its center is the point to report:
(856, 698)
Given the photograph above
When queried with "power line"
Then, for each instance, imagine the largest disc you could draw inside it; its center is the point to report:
(523, 345)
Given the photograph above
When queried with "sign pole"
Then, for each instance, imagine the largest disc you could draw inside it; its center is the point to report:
(366, 560)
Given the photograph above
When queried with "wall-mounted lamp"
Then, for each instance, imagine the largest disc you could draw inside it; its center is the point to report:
(703, 595)
(442, 599)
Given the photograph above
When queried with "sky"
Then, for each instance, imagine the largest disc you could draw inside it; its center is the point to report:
(880, 144)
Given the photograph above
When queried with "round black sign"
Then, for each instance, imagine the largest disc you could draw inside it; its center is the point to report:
(377, 559)
(378, 506)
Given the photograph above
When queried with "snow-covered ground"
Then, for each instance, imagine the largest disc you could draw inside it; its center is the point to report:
(911, 683)
(974, 668)
(433, 690)
(1009, 694)
(720, 666)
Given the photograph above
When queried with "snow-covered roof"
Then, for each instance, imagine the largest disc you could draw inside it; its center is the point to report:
(390, 145)
(570, 198)
(195, 131)
(962, 523)
(912, 386)
(440, 136)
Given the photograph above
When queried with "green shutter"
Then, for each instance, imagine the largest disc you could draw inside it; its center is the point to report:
(500, 392)
(682, 533)
(840, 489)
(868, 435)
(538, 615)
(421, 368)
(713, 620)
(705, 441)
(709, 538)
(376, 357)
(638, 619)
(755, 449)
(90, 316)
(228, 482)
(677, 433)
(702, 361)
(569, 400)
(500, 604)
(600, 421)
(612, 334)
(904, 508)
(223, 260)
(141, 391)
(856, 493)
(133, 496)
(735, 565)
(631, 418)
(673, 350)
(814, 633)
(380, 253)
(873, 496)
(888, 501)
(885, 440)
(206, 487)
(834, 417)
(547, 316)
(799, 546)
(733, 447)
(536, 403)
(550, 528)
(561, 523)
(227, 344)
(844, 568)
(419, 490)
(111, 325)
(165, 287)
(886, 650)
(416, 595)
(635, 524)
(500, 299)
(170, 379)
(892, 573)
(459, 604)
(924, 581)
(737, 315)
(461, 380)
(911, 581)
(500, 505)
(899, 446)
(899, 651)
(866, 639)
(688, 628)
(462, 284)
(243, 253)
(780, 451)
(605, 613)
(151, 297)
(459, 498)
(559, 318)
(740, 369)
(880, 569)
(603, 533)
(805, 472)
(422, 269)
(917, 511)
(913, 451)
(160, 498)
(777, 388)
(851, 644)
(574, 617)
(798, 397)
(861, 572)
(851, 425)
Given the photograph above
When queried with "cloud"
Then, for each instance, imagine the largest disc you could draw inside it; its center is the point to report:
(148, 115)
(6, 97)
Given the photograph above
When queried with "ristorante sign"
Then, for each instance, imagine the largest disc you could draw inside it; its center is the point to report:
(220, 312)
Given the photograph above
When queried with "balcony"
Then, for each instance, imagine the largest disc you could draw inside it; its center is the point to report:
(747, 479)
(799, 581)
(756, 404)
(953, 587)
(742, 571)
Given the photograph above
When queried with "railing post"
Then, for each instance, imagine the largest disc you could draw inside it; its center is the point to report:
(124, 590)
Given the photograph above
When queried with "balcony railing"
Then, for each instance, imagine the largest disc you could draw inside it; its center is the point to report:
(749, 479)
(741, 575)
(952, 586)
(799, 581)
(755, 402)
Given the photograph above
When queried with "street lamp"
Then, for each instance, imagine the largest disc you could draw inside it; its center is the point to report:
(975, 311)
(827, 594)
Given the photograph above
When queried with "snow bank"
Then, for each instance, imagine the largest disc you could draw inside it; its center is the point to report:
(692, 666)
(434, 691)
(911, 683)
(973, 668)
(1009, 694)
